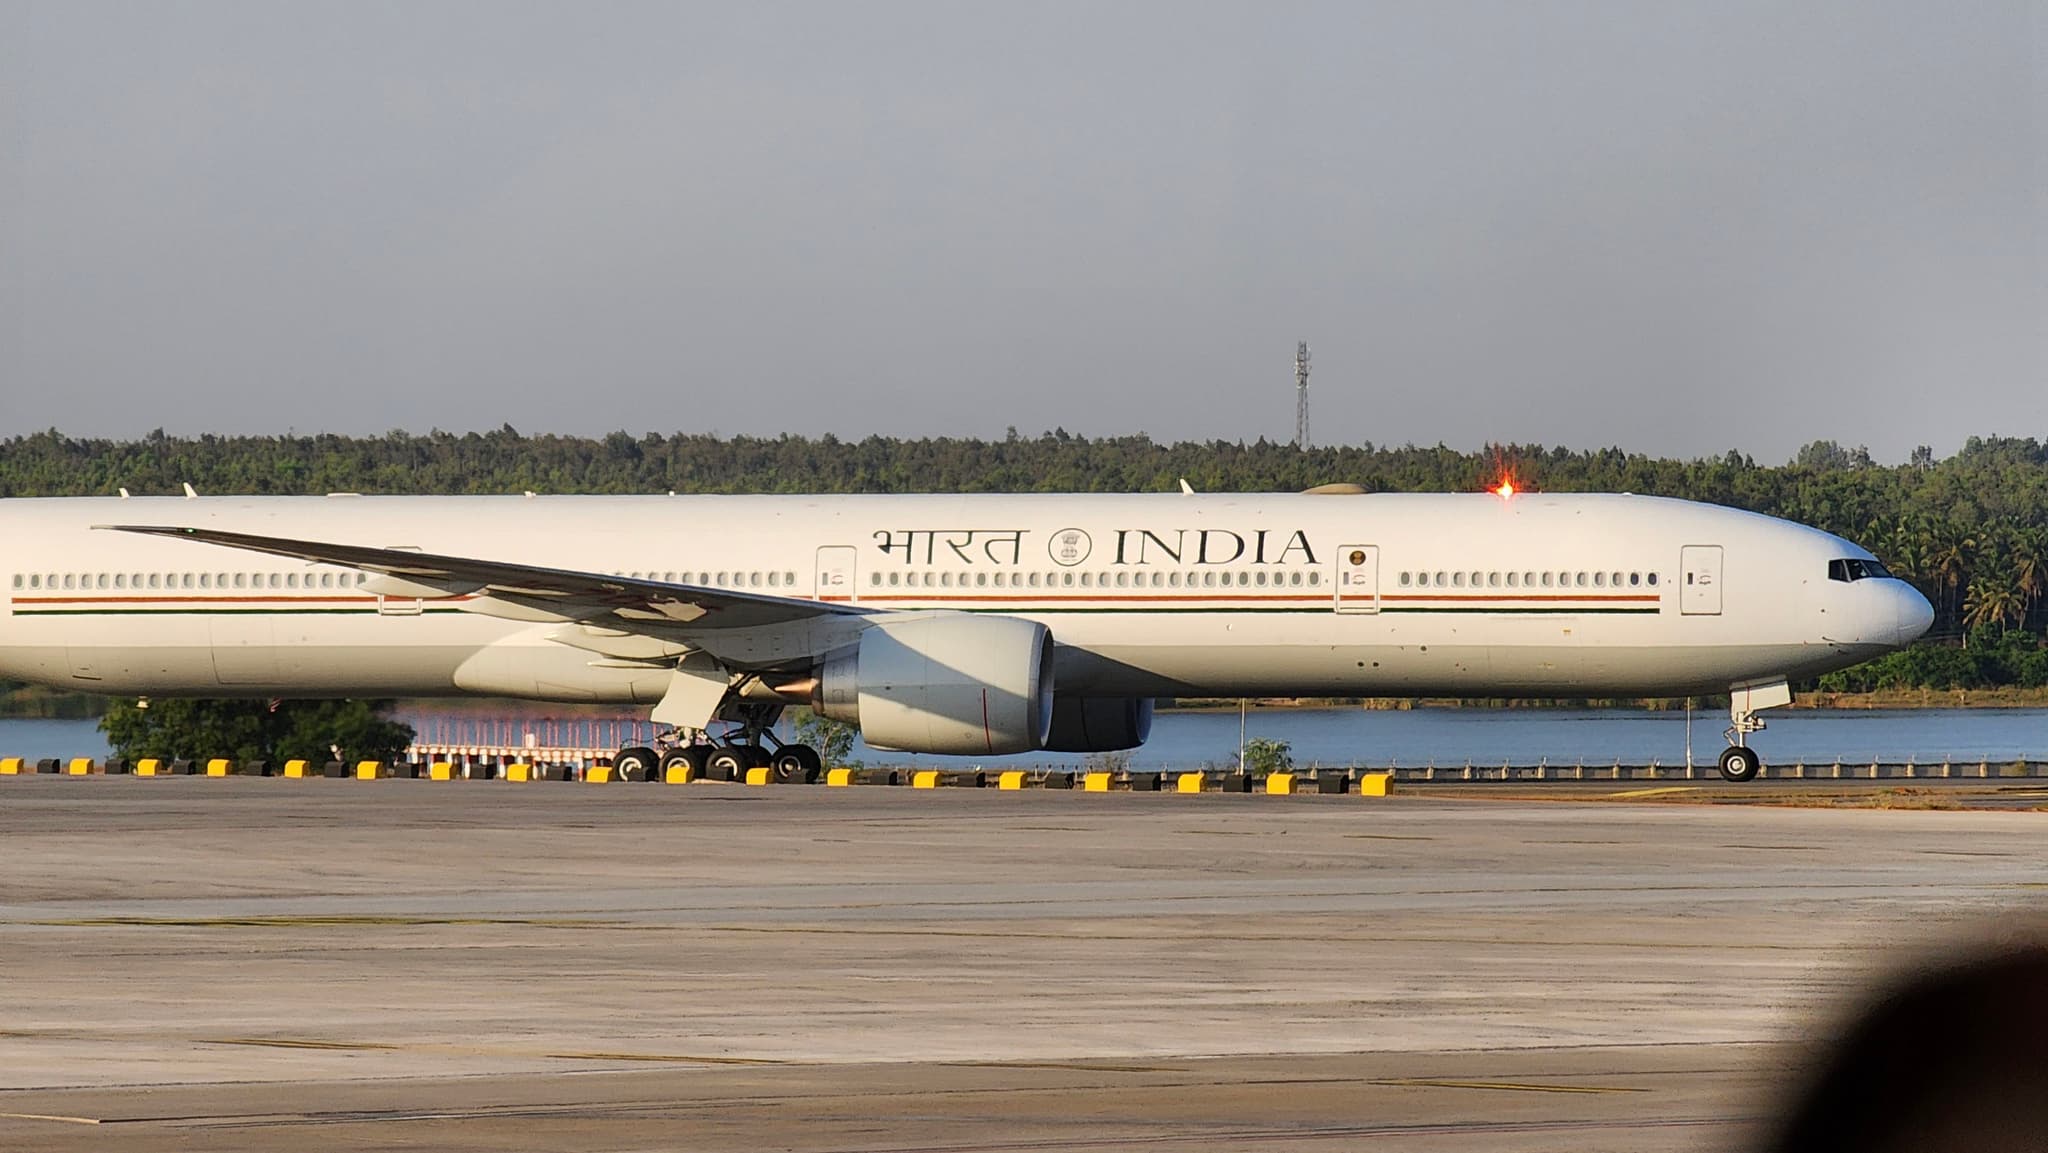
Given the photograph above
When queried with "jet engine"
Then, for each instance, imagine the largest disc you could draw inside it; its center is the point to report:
(1099, 724)
(945, 683)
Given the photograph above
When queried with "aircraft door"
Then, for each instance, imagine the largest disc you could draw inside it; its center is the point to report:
(1699, 580)
(1358, 579)
(836, 564)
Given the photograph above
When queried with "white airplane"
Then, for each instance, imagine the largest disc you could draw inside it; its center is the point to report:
(972, 625)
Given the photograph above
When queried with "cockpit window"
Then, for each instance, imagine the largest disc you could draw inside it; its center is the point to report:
(1856, 569)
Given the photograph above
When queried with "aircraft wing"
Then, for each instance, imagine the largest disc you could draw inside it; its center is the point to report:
(637, 605)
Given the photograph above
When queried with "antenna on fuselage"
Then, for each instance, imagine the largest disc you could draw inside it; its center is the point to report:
(1186, 488)
(190, 492)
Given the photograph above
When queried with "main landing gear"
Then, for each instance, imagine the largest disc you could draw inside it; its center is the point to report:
(749, 745)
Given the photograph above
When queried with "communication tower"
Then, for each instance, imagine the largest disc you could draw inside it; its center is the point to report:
(1301, 396)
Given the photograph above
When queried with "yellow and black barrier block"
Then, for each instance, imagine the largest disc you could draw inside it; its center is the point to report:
(480, 771)
(1011, 780)
(924, 779)
(78, 767)
(115, 766)
(297, 770)
(441, 771)
(599, 775)
(49, 766)
(1376, 784)
(963, 779)
(760, 775)
(255, 769)
(218, 766)
(1279, 784)
(1234, 783)
(557, 772)
(519, 771)
(336, 771)
(1191, 783)
(371, 770)
(838, 778)
(876, 777)
(183, 767)
(1141, 782)
(681, 774)
(10, 766)
(149, 767)
(1333, 784)
(1097, 782)
(1057, 779)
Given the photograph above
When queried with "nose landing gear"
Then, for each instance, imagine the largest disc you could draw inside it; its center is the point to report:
(1739, 762)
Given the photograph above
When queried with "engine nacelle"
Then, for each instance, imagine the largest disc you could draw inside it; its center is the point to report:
(946, 683)
(1099, 724)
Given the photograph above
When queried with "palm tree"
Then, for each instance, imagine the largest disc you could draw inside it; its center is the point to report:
(2028, 550)
(1993, 600)
(1946, 560)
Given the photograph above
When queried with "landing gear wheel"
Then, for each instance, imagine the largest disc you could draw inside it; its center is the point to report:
(797, 764)
(636, 763)
(689, 756)
(727, 763)
(1740, 763)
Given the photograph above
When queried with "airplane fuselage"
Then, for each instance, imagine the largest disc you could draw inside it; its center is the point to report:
(1152, 595)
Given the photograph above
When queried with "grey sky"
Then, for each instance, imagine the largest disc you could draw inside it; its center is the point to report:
(1677, 228)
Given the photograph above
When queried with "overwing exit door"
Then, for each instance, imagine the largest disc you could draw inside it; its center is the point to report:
(836, 572)
(1358, 579)
(1699, 580)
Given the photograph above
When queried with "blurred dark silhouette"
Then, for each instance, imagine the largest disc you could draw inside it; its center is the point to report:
(1954, 1057)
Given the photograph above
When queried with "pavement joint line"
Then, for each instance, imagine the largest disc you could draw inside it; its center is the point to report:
(485, 1050)
(1657, 792)
(1513, 1086)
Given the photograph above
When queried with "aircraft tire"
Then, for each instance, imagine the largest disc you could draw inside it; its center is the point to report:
(690, 755)
(635, 763)
(728, 763)
(1740, 763)
(797, 764)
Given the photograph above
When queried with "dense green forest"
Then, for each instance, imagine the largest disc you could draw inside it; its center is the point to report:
(1971, 530)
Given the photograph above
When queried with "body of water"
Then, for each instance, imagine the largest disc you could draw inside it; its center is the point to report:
(1452, 737)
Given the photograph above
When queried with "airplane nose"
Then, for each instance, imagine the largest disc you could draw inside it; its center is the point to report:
(1916, 616)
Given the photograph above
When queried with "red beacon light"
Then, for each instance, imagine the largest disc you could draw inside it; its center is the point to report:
(1505, 489)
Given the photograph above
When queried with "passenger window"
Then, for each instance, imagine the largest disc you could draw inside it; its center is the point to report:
(1478, 579)
(1493, 580)
(241, 580)
(754, 580)
(17, 580)
(1514, 579)
(946, 579)
(35, 581)
(69, 581)
(1440, 580)
(1067, 579)
(155, 580)
(1600, 579)
(326, 580)
(1634, 579)
(1651, 577)
(1458, 579)
(1315, 578)
(893, 578)
(1582, 580)
(206, 580)
(185, 580)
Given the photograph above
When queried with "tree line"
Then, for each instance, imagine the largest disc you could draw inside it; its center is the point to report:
(1970, 530)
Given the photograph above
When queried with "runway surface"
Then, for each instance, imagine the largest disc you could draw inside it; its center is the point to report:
(249, 964)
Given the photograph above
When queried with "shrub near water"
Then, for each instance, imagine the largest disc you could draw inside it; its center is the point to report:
(255, 730)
